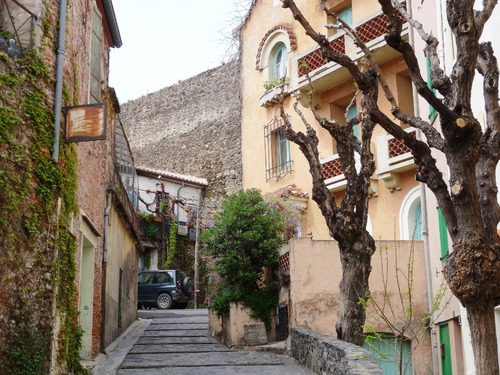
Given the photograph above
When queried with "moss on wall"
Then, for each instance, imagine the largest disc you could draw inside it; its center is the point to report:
(37, 202)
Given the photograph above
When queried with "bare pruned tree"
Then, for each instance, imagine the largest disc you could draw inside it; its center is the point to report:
(468, 202)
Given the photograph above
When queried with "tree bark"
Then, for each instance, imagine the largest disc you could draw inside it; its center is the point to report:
(356, 267)
(481, 319)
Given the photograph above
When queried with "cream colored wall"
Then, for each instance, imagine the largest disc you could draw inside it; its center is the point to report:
(315, 273)
(231, 330)
(122, 254)
(384, 208)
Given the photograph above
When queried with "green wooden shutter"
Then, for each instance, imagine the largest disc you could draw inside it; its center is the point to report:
(386, 352)
(433, 113)
(443, 235)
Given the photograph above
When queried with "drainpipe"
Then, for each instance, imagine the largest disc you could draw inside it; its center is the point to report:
(196, 250)
(425, 224)
(59, 79)
(107, 223)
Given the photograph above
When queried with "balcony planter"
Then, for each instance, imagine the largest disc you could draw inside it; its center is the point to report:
(272, 96)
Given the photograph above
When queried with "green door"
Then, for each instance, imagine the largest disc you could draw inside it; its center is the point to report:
(444, 341)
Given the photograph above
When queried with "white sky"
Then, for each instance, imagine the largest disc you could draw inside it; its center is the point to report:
(165, 41)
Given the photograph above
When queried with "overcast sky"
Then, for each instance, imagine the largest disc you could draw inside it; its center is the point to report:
(165, 41)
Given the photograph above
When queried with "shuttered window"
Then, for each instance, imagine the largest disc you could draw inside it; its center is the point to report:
(443, 235)
(95, 57)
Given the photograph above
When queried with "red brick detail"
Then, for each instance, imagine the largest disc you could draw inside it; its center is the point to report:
(396, 147)
(314, 60)
(332, 168)
(367, 32)
(291, 37)
(285, 264)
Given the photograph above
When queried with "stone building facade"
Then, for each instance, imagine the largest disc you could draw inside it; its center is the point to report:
(69, 228)
(192, 128)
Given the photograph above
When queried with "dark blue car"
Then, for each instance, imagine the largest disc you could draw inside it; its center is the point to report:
(164, 289)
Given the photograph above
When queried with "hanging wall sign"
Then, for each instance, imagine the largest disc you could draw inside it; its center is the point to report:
(86, 122)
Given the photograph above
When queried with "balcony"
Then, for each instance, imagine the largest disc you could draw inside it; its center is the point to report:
(19, 21)
(333, 173)
(393, 158)
(325, 74)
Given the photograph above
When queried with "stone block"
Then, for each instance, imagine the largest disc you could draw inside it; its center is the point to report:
(255, 334)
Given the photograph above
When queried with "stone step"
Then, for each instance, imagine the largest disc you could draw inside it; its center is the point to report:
(179, 348)
(158, 360)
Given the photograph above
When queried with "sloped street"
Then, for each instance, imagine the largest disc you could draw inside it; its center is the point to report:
(176, 342)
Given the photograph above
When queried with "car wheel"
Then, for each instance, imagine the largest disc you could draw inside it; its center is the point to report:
(187, 286)
(164, 301)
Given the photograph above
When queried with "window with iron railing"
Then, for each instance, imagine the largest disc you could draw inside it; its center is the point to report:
(125, 166)
(277, 150)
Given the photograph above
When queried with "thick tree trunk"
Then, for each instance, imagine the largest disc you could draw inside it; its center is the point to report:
(356, 268)
(473, 275)
(482, 327)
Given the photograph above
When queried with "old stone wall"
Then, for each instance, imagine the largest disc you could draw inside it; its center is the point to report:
(191, 128)
(325, 355)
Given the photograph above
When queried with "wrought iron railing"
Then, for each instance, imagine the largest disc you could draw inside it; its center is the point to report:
(17, 19)
(125, 166)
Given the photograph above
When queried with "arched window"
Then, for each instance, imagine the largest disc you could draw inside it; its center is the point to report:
(279, 60)
(410, 216)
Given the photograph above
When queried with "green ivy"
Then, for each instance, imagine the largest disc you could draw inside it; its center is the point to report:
(172, 244)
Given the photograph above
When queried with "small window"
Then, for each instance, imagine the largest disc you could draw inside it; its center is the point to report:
(343, 13)
(346, 15)
(164, 278)
(342, 111)
(279, 62)
(278, 161)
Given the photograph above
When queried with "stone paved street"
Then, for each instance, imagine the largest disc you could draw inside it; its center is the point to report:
(176, 342)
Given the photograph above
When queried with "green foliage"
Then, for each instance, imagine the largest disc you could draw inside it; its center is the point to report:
(246, 239)
(172, 244)
(71, 332)
(8, 120)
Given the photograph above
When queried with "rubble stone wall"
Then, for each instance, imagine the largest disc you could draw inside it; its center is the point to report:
(191, 128)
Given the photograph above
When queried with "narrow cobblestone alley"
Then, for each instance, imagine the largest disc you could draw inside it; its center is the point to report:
(176, 342)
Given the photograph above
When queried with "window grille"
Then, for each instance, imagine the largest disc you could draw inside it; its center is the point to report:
(277, 150)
